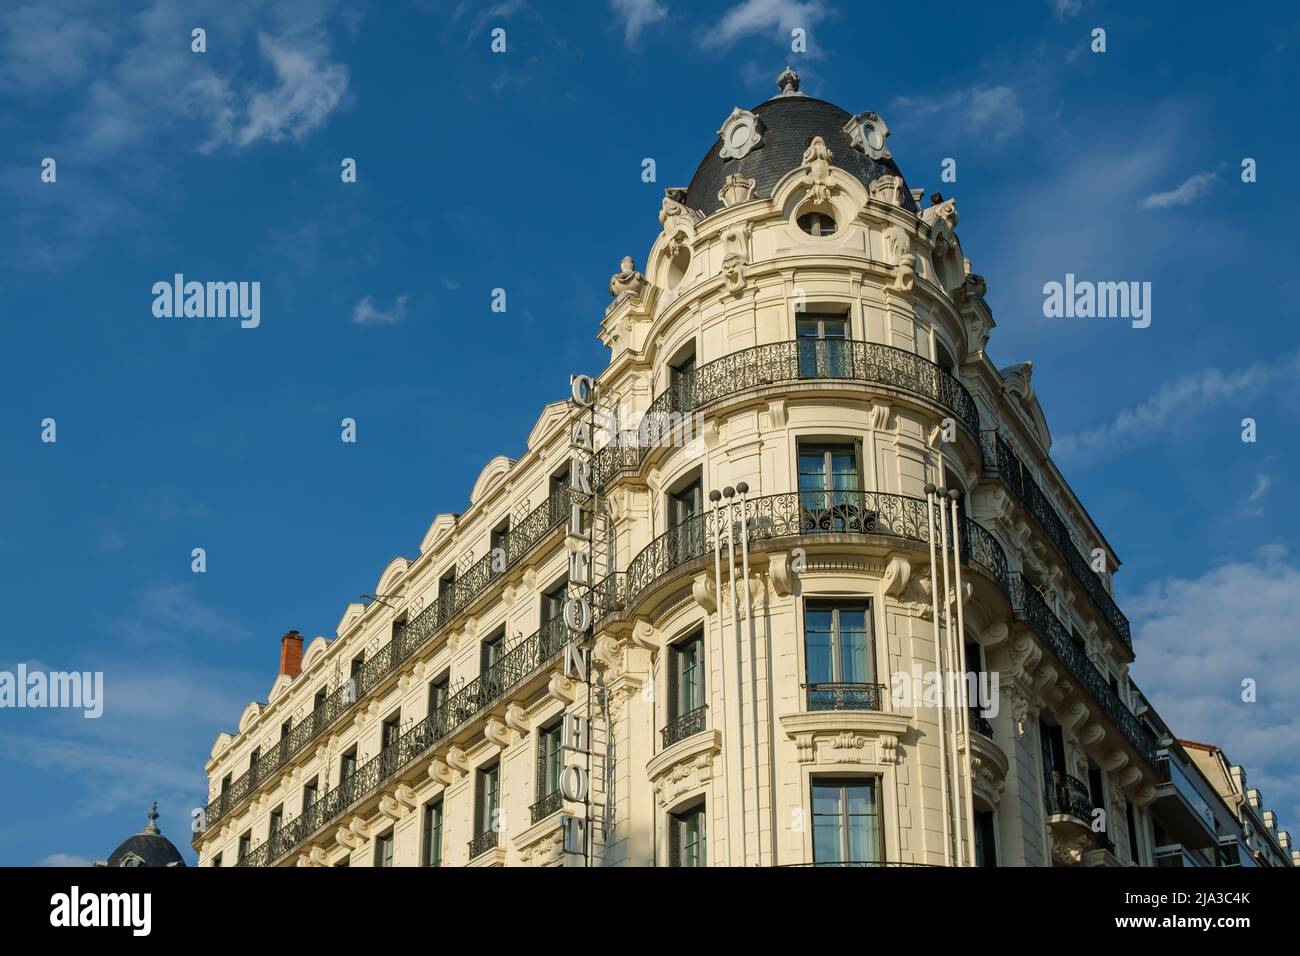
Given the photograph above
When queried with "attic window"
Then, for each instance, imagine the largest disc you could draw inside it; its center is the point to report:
(817, 224)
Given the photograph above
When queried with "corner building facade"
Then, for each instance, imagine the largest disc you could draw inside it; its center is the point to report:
(804, 328)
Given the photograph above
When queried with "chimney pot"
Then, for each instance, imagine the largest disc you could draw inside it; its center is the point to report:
(291, 654)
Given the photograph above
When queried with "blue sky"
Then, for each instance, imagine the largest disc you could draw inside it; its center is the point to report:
(521, 171)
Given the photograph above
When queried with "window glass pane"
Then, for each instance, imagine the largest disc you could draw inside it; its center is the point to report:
(818, 625)
(854, 661)
(827, 840)
(826, 800)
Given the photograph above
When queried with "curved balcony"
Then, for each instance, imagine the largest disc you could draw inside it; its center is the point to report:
(667, 420)
(793, 514)
(803, 360)
(1065, 795)
(408, 637)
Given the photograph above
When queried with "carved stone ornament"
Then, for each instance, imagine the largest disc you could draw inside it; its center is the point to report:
(868, 132)
(627, 281)
(887, 189)
(817, 161)
(788, 83)
(735, 245)
(898, 247)
(737, 189)
(742, 133)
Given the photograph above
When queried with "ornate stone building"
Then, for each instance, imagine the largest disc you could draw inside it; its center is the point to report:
(808, 337)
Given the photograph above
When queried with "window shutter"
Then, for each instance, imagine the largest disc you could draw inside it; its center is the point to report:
(673, 666)
(674, 841)
(542, 740)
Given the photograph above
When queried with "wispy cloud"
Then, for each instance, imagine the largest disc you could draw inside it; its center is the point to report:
(366, 313)
(992, 111)
(1190, 190)
(64, 859)
(171, 613)
(1201, 637)
(636, 15)
(308, 88)
(1176, 402)
(1064, 9)
(776, 18)
(1262, 483)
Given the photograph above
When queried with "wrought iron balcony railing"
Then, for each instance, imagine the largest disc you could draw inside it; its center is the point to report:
(527, 657)
(979, 723)
(780, 363)
(408, 637)
(828, 696)
(686, 725)
(999, 458)
(544, 807)
(1030, 605)
(804, 513)
(1064, 794)
(484, 842)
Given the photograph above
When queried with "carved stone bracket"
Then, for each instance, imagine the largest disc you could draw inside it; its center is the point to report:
(517, 719)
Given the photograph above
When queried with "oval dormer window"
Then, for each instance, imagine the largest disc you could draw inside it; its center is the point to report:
(817, 224)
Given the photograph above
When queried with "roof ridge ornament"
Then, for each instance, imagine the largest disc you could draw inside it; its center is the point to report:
(152, 825)
(788, 83)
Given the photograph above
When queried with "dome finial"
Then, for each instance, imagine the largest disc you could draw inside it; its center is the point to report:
(152, 825)
(788, 82)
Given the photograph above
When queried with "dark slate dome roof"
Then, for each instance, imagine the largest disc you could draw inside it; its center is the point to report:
(147, 848)
(792, 121)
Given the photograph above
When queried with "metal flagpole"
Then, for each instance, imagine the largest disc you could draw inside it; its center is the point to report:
(964, 715)
(729, 493)
(938, 663)
(944, 672)
(715, 496)
(743, 488)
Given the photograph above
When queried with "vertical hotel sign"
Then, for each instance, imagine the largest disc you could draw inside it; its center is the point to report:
(575, 735)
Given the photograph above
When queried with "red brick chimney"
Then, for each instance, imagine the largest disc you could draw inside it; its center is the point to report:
(291, 654)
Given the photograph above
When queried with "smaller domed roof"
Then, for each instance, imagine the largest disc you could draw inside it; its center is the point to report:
(147, 848)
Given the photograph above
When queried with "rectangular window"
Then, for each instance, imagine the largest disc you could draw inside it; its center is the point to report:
(550, 761)
(438, 692)
(252, 758)
(392, 730)
(686, 838)
(216, 860)
(347, 765)
(245, 845)
(986, 847)
(384, 849)
(225, 784)
(356, 665)
(497, 544)
(686, 675)
(823, 346)
(276, 821)
(841, 673)
(432, 834)
(830, 488)
(489, 795)
(310, 791)
(686, 522)
(285, 728)
(845, 822)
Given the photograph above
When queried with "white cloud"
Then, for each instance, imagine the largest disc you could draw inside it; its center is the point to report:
(636, 16)
(365, 313)
(993, 111)
(308, 88)
(774, 17)
(64, 859)
(1174, 404)
(1262, 483)
(173, 613)
(1066, 8)
(1197, 639)
(1192, 189)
